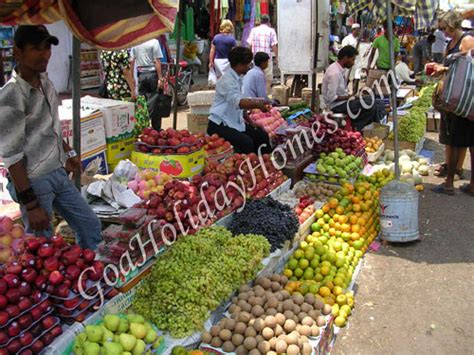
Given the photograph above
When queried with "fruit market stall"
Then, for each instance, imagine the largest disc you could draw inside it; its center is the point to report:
(219, 252)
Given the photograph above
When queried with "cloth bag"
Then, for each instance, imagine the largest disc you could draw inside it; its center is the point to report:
(455, 93)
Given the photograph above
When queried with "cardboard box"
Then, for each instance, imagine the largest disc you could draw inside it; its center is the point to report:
(197, 123)
(92, 131)
(98, 160)
(281, 93)
(118, 151)
(177, 165)
(432, 124)
(119, 116)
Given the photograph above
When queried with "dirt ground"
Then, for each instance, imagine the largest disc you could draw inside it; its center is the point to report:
(417, 298)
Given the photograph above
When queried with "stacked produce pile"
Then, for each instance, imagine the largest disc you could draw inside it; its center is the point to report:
(147, 183)
(267, 217)
(12, 236)
(372, 144)
(269, 121)
(292, 141)
(337, 167)
(168, 141)
(304, 209)
(379, 178)
(195, 276)
(116, 334)
(412, 166)
(214, 144)
(41, 289)
(297, 114)
(266, 319)
(325, 262)
(318, 190)
(412, 126)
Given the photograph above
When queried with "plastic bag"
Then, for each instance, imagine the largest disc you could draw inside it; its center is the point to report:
(212, 78)
(125, 171)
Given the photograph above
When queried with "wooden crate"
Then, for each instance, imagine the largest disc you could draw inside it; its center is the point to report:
(295, 171)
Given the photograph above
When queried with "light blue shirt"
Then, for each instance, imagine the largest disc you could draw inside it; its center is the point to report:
(255, 83)
(225, 108)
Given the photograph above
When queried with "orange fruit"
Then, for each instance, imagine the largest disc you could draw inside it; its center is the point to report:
(355, 199)
(326, 208)
(333, 202)
(353, 219)
(355, 228)
(362, 221)
(355, 236)
(340, 210)
(356, 207)
(345, 227)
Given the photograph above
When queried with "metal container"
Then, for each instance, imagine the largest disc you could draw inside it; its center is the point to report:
(399, 212)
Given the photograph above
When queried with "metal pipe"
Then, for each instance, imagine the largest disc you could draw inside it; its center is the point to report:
(315, 59)
(176, 74)
(76, 102)
(393, 89)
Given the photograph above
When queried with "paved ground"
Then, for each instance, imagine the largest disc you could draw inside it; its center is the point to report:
(418, 298)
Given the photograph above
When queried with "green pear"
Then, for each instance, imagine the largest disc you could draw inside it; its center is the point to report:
(112, 349)
(139, 348)
(123, 326)
(94, 333)
(77, 348)
(127, 341)
(148, 326)
(112, 322)
(81, 339)
(116, 338)
(138, 330)
(158, 342)
(126, 353)
(135, 318)
(150, 336)
(91, 348)
(108, 336)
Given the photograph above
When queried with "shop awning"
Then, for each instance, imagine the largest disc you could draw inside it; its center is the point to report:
(423, 11)
(105, 24)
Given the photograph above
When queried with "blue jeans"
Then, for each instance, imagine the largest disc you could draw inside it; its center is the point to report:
(56, 192)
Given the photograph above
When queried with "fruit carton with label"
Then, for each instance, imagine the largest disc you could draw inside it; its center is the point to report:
(176, 165)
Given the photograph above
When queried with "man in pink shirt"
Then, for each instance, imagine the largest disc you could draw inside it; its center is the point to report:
(263, 38)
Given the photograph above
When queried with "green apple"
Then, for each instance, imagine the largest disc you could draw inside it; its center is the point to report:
(158, 342)
(135, 318)
(139, 348)
(123, 326)
(112, 322)
(108, 336)
(126, 353)
(138, 330)
(91, 348)
(150, 336)
(127, 341)
(94, 333)
(78, 349)
(148, 326)
(81, 339)
(112, 349)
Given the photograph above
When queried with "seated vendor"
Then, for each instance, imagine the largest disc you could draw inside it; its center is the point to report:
(403, 72)
(255, 84)
(336, 93)
(227, 112)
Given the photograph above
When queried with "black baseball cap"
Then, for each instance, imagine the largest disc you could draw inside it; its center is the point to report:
(33, 35)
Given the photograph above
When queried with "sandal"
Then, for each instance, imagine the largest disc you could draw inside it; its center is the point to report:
(466, 188)
(441, 189)
(441, 170)
(459, 174)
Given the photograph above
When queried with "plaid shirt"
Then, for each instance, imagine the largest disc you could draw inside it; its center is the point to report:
(262, 38)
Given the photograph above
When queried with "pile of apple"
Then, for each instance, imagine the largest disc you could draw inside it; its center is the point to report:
(229, 170)
(147, 182)
(305, 208)
(269, 121)
(168, 141)
(214, 144)
(351, 142)
(11, 238)
(118, 334)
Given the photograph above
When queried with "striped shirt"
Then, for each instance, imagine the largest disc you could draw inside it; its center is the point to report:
(30, 129)
(262, 38)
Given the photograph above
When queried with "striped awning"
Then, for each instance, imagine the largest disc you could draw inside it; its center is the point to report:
(423, 11)
(105, 24)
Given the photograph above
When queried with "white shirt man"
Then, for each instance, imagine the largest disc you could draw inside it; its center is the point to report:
(352, 38)
(334, 85)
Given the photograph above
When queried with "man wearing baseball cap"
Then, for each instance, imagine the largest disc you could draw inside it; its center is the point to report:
(31, 144)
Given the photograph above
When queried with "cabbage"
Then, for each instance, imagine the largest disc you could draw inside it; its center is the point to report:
(423, 170)
(390, 155)
(404, 157)
(423, 161)
(407, 167)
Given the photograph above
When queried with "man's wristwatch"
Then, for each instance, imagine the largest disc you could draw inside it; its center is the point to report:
(71, 154)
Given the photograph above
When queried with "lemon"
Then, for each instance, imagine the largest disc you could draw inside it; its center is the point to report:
(340, 321)
(288, 273)
(298, 272)
(325, 270)
(337, 290)
(324, 291)
(335, 310)
(347, 309)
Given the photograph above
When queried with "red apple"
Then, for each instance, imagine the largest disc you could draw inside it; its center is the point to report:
(51, 264)
(41, 282)
(29, 274)
(47, 339)
(13, 329)
(3, 301)
(25, 321)
(33, 244)
(37, 346)
(13, 268)
(56, 331)
(26, 338)
(3, 286)
(72, 302)
(62, 291)
(48, 322)
(45, 251)
(36, 313)
(13, 295)
(58, 241)
(4, 318)
(55, 278)
(11, 280)
(24, 304)
(25, 289)
(73, 272)
(3, 337)
(36, 296)
(14, 346)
